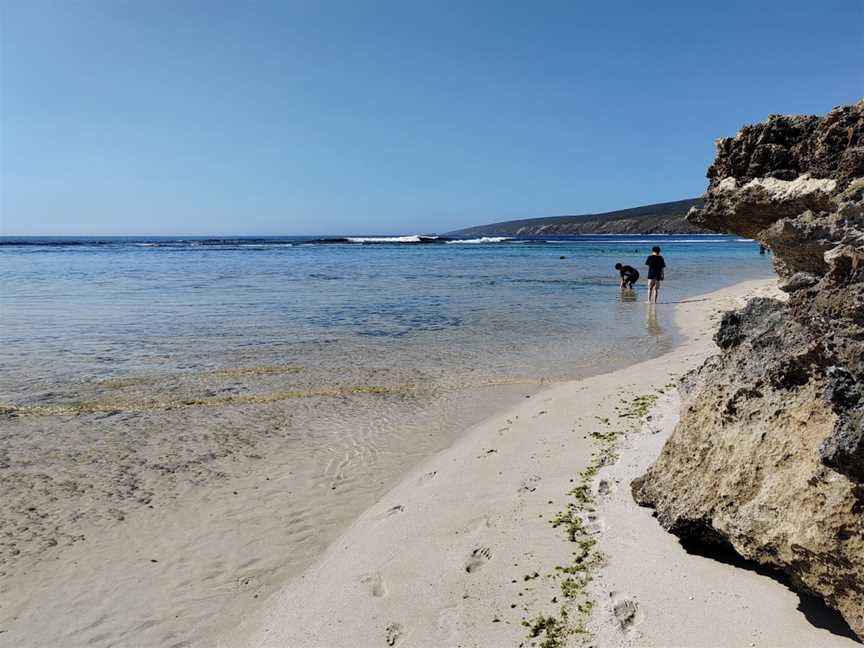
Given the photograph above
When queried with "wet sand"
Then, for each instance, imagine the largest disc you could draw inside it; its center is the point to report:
(162, 526)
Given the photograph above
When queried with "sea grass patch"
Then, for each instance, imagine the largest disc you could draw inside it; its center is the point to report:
(571, 620)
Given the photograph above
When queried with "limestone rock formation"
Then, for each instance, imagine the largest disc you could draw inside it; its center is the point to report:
(768, 456)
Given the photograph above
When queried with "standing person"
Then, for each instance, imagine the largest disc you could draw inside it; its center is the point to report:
(629, 275)
(656, 263)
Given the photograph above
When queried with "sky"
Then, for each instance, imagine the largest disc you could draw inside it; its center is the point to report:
(173, 117)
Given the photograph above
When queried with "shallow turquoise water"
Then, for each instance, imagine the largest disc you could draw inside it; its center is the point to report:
(511, 308)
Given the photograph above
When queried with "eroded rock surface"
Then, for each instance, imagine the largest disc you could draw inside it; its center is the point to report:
(769, 454)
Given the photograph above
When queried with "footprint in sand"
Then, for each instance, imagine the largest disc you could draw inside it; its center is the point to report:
(393, 510)
(393, 633)
(625, 610)
(247, 582)
(375, 583)
(427, 477)
(604, 487)
(593, 524)
(529, 485)
(478, 525)
(447, 621)
(478, 558)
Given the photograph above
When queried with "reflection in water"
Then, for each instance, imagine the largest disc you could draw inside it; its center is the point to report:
(653, 324)
(628, 295)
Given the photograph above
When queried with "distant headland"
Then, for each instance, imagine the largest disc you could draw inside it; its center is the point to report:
(660, 218)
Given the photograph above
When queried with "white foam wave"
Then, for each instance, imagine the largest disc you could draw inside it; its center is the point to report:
(484, 239)
(389, 239)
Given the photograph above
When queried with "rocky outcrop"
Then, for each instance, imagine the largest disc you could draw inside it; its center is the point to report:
(768, 456)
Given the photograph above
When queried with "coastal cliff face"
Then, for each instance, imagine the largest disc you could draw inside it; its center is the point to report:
(768, 456)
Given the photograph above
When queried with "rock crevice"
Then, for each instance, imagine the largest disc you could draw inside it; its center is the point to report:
(768, 456)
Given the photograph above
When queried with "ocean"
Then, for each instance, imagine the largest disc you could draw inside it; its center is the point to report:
(83, 309)
(145, 377)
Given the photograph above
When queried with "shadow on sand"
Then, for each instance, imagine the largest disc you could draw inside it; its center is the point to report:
(812, 607)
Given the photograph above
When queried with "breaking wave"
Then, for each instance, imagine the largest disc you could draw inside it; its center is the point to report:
(482, 239)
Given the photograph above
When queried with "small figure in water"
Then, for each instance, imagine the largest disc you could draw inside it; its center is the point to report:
(656, 264)
(629, 275)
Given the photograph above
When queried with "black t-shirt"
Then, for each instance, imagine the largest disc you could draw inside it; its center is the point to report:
(629, 273)
(655, 265)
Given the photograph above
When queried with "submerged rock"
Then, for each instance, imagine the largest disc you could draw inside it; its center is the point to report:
(768, 457)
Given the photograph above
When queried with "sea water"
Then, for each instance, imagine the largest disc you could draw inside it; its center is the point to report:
(75, 309)
(148, 381)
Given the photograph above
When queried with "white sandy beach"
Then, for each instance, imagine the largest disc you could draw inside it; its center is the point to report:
(431, 325)
(462, 551)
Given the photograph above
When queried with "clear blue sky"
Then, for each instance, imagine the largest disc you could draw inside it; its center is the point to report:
(317, 117)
